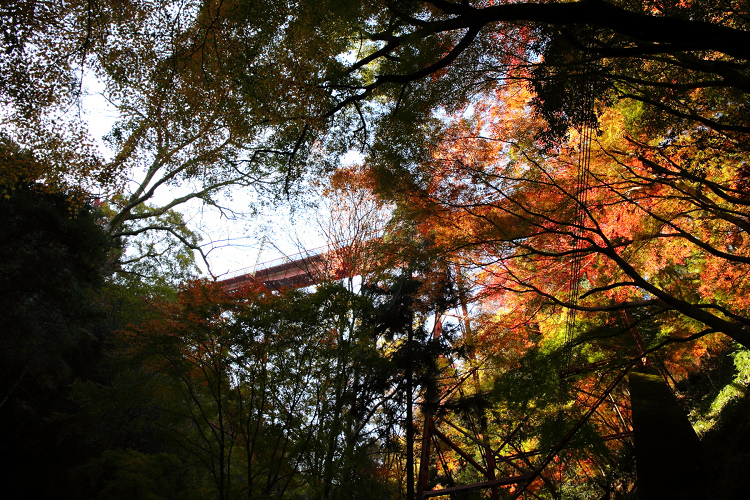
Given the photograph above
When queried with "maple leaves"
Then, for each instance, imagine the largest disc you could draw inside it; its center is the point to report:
(656, 234)
(468, 115)
(662, 242)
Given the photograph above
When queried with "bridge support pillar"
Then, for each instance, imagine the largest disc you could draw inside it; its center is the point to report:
(667, 451)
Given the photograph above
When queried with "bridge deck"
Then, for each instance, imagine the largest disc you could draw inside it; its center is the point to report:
(301, 272)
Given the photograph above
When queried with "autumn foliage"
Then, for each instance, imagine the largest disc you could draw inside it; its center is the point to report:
(522, 202)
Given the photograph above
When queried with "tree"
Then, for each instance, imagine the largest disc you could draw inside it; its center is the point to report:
(477, 119)
(53, 250)
(500, 201)
(190, 124)
(650, 72)
(525, 201)
(570, 36)
(353, 220)
(233, 407)
(505, 202)
(264, 394)
(193, 96)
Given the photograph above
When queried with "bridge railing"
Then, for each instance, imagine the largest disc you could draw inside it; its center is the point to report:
(284, 259)
(300, 256)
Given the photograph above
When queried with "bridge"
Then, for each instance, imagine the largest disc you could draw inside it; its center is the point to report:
(299, 270)
(297, 273)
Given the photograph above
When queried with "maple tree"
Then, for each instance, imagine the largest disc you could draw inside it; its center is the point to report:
(645, 218)
(270, 393)
(669, 125)
(673, 97)
(475, 120)
(218, 94)
(504, 203)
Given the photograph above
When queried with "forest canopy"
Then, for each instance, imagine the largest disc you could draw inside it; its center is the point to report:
(547, 195)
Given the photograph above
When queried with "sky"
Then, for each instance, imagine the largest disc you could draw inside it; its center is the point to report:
(232, 246)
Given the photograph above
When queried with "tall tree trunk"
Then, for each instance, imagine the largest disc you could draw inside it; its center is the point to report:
(409, 420)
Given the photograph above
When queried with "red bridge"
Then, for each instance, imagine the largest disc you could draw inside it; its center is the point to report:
(295, 273)
(342, 259)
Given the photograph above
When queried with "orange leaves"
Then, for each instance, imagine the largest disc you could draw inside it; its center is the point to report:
(658, 221)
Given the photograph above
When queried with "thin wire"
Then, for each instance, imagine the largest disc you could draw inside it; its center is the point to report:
(581, 199)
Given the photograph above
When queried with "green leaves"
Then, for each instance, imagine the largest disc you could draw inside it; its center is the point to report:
(270, 393)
